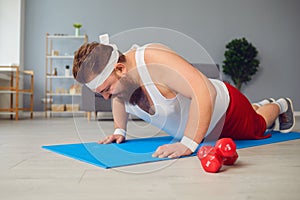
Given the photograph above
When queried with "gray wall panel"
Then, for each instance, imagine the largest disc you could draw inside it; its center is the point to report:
(273, 26)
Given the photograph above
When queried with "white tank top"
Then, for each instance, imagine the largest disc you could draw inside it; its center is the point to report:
(171, 115)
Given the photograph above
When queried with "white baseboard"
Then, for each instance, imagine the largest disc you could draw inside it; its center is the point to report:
(105, 115)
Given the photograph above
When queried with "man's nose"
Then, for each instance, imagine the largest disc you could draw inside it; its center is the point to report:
(106, 96)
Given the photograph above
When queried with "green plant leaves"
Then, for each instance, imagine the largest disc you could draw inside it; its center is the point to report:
(77, 25)
(240, 61)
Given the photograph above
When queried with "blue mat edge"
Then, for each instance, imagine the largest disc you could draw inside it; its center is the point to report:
(98, 164)
(295, 136)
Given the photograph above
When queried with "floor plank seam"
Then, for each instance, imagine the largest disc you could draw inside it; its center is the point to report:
(18, 163)
(82, 176)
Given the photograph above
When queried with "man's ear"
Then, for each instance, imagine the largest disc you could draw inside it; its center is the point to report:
(120, 69)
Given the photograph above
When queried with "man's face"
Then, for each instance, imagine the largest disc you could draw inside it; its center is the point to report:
(109, 87)
(118, 86)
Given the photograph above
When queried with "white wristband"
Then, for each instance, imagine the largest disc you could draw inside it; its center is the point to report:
(119, 131)
(189, 143)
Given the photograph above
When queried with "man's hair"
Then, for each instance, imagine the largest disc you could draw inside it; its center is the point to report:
(90, 60)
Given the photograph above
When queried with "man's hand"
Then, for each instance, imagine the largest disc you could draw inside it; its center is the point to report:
(172, 151)
(112, 138)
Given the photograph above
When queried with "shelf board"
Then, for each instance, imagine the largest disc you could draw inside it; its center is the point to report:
(60, 77)
(7, 113)
(66, 37)
(13, 92)
(65, 112)
(297, 113)
(15, 69)
(65, 94)
(59, 57)
(4, 77)
(8, 69)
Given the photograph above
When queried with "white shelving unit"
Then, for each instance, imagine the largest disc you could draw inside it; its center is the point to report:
(15, 76)
(57, 77)
(60, 57)
(62, 94)
(59, 53)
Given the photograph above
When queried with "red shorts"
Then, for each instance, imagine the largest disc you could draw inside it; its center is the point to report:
(241, 121)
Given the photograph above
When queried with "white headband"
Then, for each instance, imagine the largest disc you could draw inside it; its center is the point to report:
(109, 68)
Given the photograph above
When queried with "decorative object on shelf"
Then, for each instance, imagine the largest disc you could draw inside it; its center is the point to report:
(58, 107)
(72, 107)
(75, 89)
(47, 100)
(60, 34)
(77, 27)
(54, 73)
(60, 91)
(240, 61)
(55, 52)
(67, 70)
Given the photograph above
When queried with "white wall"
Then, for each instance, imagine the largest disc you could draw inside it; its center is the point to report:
(10, 32)
(11, 43)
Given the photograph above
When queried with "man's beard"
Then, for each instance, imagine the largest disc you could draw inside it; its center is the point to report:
(128, 88)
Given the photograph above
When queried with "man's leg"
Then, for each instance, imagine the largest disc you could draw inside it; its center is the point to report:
(269, 112)
(257, 105)
(282, 108)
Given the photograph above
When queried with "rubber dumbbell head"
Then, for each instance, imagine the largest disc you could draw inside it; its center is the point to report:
(230, 160)
(210, 160)
(204, 150)
(226, 147)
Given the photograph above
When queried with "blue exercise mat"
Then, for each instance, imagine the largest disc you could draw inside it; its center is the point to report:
(138, 151)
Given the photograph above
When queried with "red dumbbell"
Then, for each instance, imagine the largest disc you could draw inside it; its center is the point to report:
(230, 160)
(204, 150)
(211, 161)
(227, 149)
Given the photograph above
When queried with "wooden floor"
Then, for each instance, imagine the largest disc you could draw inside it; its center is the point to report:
(29, 172)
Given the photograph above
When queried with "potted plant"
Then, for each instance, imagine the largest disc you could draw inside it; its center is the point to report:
(240, 61)
(77, 27)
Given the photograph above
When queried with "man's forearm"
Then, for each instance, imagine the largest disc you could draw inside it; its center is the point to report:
(119, 114)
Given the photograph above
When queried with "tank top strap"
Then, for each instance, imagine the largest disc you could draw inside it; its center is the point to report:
(145, 76)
